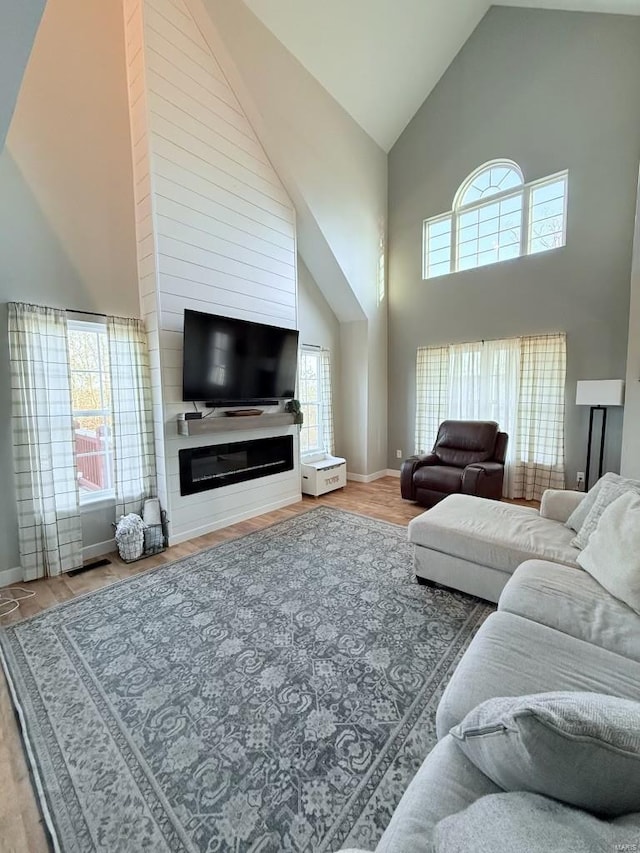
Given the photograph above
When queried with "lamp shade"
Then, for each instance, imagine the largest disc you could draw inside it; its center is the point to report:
(600, 392)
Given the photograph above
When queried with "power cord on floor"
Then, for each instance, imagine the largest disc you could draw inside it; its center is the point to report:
(15, 602)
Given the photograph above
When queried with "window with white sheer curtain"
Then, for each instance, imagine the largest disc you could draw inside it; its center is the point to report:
(518, 382)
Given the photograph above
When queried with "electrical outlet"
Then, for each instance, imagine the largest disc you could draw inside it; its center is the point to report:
(580, 481)
(398, 454)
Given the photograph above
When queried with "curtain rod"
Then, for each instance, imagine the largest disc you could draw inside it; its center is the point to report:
(88, 313)
(494, 340)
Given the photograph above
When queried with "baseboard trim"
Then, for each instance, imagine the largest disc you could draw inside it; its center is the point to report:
(11, 576)
(90, 552)
(366, 478)
(393, 472)
(178, 538)
(99, 549)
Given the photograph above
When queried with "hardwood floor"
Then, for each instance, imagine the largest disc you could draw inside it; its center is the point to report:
(21, 829)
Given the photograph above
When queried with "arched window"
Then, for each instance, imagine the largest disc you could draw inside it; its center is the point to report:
(496, 216)
(490, 179)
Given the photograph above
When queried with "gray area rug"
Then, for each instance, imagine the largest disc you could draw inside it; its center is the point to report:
(274, 693)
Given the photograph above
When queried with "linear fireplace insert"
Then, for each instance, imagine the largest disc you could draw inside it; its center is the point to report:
(204, 468)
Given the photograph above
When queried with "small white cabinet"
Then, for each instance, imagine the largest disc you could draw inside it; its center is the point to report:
(323, 473)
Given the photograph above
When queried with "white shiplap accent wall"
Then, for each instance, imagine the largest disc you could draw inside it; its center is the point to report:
(216, 234)
(145, 218)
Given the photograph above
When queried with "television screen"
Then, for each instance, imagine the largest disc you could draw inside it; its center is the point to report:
(234, 361)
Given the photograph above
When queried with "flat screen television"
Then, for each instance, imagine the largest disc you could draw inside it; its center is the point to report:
(230, 362)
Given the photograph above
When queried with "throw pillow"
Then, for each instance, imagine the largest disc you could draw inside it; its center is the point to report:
(578, 516)
(612, 555)
(607, 494)
(580, 748)
(527, 823)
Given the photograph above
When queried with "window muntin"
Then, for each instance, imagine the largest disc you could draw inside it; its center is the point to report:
(490, 233)
(548, 215)
(489, 180)
(437, 238)
(496, 217)
(91, 408)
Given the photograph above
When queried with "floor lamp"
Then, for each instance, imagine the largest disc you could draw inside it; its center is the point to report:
(598, 394)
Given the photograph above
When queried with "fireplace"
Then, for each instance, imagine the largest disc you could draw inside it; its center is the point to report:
(204, 468)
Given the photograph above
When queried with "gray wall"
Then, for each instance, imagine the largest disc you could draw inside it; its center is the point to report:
(550, 90)
(319, 326)
(20, 19)
(66, 200)
(631, 433)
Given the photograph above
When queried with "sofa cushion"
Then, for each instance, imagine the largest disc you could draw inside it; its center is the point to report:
(571, 601)
(512, 656)
(612, 556)
(446, 783)
(580, 748)
(442, 478)
(609, 493)
(498, 535)
(529, 823)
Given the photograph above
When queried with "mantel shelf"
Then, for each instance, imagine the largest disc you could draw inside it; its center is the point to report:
(202, 426)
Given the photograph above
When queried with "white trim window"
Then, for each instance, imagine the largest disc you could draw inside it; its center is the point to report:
(89, 369)
(314, 383)
(496, 216)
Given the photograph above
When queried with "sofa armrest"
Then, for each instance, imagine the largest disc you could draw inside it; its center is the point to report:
(558, 504)
(475, 473)
(409, 468)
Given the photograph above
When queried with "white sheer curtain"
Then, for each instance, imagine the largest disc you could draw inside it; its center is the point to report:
(326, 402)
(518, 382)
(133, 437)
(484, 385)
(49, 525)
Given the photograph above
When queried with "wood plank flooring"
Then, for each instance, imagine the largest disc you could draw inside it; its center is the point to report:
(21, 827)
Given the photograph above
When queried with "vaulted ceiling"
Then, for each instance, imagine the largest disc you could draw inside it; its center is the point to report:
(380, 59)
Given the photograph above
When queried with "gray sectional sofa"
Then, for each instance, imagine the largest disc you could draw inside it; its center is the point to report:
(555, 629)
(474, 545)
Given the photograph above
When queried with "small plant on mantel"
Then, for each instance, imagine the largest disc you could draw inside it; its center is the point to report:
(294, 408)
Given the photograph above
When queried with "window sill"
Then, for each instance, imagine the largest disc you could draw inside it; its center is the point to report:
(506, 262)
(313, 455)
(103, 501)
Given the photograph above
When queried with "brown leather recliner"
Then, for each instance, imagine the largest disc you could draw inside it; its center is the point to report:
(467, 458)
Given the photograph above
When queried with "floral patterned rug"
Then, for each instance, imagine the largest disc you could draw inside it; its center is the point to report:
(274, 693)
